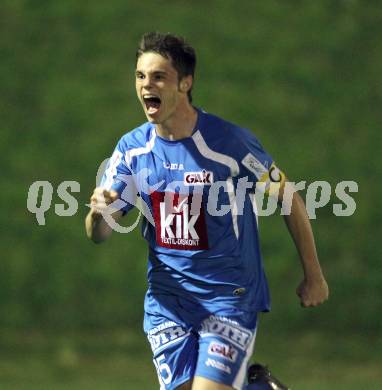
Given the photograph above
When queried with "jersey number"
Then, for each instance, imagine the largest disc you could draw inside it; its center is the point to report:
(163, 370)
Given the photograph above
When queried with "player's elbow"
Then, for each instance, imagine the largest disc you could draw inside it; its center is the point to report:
(96, 232)
(98, 235)
(97, 239)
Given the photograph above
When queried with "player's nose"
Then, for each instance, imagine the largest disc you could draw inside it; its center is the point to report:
(147, 82)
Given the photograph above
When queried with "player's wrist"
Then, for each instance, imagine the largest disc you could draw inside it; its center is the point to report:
(313, 274)
(315, 278)
(95, 215)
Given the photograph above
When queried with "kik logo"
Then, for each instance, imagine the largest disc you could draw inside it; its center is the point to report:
(178, 223)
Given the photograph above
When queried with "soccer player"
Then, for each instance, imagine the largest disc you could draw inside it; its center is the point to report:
(195, 175)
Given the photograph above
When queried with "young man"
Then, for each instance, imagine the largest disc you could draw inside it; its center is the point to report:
(206, 280)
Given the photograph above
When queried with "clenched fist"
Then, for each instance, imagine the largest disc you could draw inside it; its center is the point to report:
(101, 199)
(313, 292)
(97, 228)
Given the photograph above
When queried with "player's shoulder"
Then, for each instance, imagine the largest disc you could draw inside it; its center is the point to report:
(136, 138)
(215, 127)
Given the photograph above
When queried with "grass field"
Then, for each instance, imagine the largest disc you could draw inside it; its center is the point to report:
(304, 76)
(116, 360)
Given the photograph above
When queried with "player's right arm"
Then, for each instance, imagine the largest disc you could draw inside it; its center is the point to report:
(97, 229)
(114, 181)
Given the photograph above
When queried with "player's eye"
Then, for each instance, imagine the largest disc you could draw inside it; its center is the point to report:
(139, 75)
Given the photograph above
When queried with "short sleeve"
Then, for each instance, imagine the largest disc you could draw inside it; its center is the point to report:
(118, 177)
(257, 164)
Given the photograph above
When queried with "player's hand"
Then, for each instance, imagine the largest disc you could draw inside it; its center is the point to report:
(101, 199)
(313, 292)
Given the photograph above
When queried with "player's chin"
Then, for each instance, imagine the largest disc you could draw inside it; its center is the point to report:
(152, 118)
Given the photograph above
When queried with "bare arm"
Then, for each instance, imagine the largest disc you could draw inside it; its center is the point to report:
(313, 290)
(97, 229)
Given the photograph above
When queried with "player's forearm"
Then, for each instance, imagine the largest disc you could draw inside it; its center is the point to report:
(301, 231)
(96, 227)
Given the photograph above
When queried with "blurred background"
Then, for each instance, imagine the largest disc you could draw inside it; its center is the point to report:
(305, 76)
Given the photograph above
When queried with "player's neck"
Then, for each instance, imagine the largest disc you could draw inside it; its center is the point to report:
(180, 125)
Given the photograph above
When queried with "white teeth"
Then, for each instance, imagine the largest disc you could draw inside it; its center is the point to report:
(149, 96)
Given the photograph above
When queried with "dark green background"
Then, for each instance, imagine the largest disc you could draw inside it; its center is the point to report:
(305, 76)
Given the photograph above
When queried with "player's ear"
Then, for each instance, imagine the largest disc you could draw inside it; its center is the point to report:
(186, 83)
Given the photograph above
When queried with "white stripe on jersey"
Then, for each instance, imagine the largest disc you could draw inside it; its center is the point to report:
(240, 377)
(111, 171)
(221, 158)
(215, 156)
(142, 150)
(232, 202)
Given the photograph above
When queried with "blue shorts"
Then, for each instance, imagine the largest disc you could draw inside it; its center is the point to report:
(186, 344)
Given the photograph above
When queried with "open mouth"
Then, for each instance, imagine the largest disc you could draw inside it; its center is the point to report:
(152, 103)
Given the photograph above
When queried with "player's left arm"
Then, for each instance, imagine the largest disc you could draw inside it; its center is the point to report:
(260, 168)
(313, 290)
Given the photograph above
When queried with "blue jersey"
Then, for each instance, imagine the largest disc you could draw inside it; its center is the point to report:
(199, 223)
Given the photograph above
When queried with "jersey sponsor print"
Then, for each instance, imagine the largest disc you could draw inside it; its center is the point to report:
(179, 222)
(225, 351)
(164, 334)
